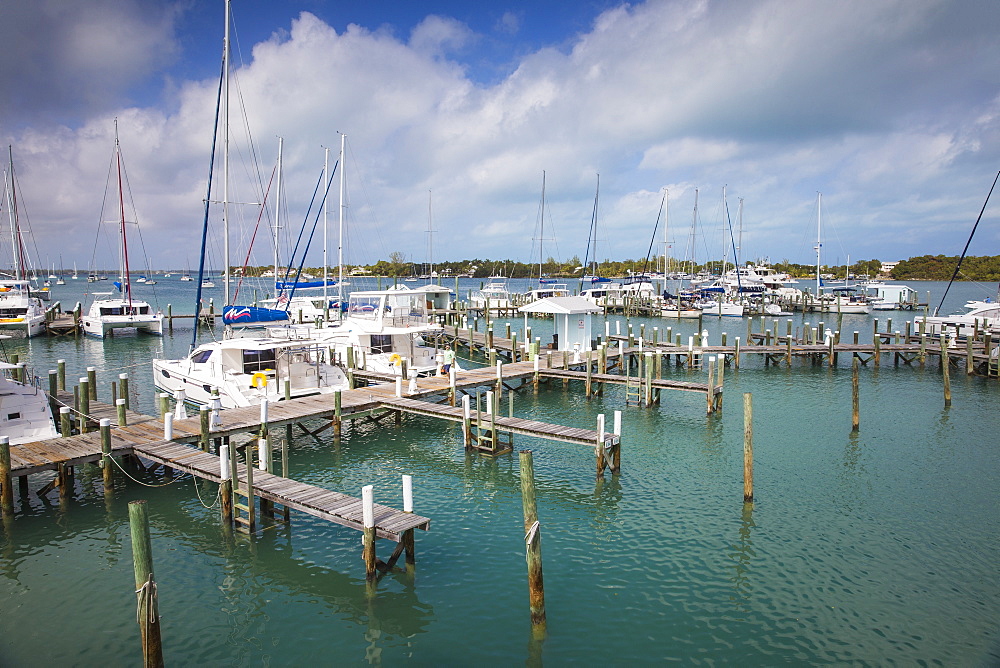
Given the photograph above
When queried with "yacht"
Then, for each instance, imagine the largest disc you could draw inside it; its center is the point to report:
(546, 290)
(494, 293)
(21, 314)
(982, 314)
(245, 371)
(383, 327)
(24, 409)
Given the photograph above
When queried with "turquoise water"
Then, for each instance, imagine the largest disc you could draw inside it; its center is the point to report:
(875, 548)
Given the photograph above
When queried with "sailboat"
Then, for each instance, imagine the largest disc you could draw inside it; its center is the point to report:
(547, 287)
(60, 280)
(107, 312)
(21, 311)
(245, 371)
(843, 299)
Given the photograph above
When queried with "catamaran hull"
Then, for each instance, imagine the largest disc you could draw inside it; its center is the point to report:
(22, 327)
(101, 328)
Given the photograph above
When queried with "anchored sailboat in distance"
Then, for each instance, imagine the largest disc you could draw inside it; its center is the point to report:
(109, 313)
(21, 312)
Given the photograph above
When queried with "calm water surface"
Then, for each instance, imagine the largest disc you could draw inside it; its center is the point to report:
(875, 548)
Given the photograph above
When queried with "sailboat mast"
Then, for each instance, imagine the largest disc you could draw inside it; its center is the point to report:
(694, 229)
(430, 238)
(819, 230)
(12, 212)
(541, 230)
(277, 212)
(225, 155)
(739, 246)
(666, 227)
(326, 208)
(340, 240)
(123, 249)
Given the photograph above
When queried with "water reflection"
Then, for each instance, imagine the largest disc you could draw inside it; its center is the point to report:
(742, 553)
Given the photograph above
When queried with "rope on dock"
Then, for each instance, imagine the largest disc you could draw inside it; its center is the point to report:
(144, 484)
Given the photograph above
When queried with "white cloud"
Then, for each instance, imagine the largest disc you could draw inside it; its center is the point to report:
(779, 100)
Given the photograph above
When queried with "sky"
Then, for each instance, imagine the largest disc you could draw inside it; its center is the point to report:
(453, 111)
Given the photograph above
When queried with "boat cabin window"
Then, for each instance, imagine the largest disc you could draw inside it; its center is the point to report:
(258, 360)
(125, 310)
(381, 343)
(12, 312)
(200, 357)
(363, 307)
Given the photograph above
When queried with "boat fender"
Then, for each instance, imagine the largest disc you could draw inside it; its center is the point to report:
(259, 380)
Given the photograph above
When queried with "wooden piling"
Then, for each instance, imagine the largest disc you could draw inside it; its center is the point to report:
(368, 540)
(120, 406)
(533, 543)
(945, 364)
(203, 440)
(855, 396)
(6, 481)
(65, 421)
(106, 462)
(84, 404)
(747, 447)
(92, 382)
(145, 585)
(123, 385)
(61, 369)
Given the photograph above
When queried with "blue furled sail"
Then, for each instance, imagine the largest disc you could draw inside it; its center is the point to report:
(295, 285)
(246, 315)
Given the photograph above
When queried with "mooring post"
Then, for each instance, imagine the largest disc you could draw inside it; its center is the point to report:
(616, 459)
(53, 388)
(736, 354)
(710, 394)
(65, 421)
(120, 406)
(452, 384)
(6, 481)
(106, 462)
(945, 364)
(368, 520)
(61, 368)
(407, 537)
(590, 370)
(92, 382)
(148, 614)
(467, 421)
(855, 396)
(533, 544)
(601, 455)
(123, 385)
(747, 447)
(338, 419)
(84, 386)
(648, 393)
(203, 439)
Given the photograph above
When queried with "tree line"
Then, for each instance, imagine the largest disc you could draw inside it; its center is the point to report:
(924, 267)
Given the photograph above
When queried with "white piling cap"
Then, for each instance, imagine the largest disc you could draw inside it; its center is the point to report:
(368, 506)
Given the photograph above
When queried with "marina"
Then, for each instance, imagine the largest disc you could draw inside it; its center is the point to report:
(737, 561)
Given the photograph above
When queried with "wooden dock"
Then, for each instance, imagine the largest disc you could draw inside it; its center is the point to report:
(325, 504)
